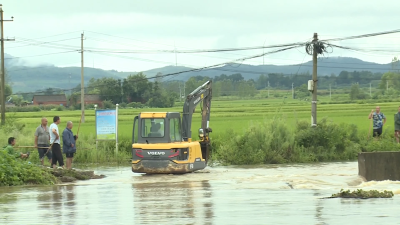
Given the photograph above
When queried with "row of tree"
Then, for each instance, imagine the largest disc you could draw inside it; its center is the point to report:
(344, 79)
(157, 93)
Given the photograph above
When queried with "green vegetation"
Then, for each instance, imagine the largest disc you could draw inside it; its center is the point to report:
(245, 131)
(17, 172)
(275, 141)
(359, 193)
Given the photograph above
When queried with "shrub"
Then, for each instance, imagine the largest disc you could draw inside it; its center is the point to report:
(108, 104)
(136, 105)
(123, 105)
(268, 142)
(274, 141)
(14, 171)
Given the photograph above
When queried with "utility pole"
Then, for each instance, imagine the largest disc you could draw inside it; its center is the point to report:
(370, 95)
(82, 84)
(292, 91)
(263, 49)
(3, 72)
(180, 92)
(314, 78)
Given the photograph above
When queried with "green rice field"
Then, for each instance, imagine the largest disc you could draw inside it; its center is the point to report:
(225, 114)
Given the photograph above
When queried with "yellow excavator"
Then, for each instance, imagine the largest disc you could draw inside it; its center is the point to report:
(164, 142)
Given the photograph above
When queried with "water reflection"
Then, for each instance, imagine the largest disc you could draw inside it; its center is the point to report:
(7, 204)
(169, 202)
(57, 202)
(70, 203)
(319, 207)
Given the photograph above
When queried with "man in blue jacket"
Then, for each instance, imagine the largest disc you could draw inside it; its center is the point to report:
(69, 147)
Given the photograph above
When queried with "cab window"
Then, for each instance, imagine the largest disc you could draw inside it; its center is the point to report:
(175, 130)
(152, 128)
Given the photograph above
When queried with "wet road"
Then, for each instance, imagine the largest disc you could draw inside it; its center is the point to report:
(273, 194)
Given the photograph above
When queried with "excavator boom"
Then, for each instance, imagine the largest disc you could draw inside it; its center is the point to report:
(201, 94)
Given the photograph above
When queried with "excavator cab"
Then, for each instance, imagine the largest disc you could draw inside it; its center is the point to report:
(158, 128)
(162, 143)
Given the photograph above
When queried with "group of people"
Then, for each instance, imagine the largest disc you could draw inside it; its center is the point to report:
(379, 120)
(47, 141)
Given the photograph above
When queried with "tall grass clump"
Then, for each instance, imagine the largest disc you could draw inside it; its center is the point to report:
(277, 141)
(327, 142)
(105, 152)
(386, 142)
(271, 141)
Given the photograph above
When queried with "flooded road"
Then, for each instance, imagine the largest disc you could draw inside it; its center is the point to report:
(273, 194)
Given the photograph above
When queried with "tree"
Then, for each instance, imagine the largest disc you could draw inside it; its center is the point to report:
(390, 79)
(16, 99)
(395, 64)
(356, 92)
(301, 92)
(136, 88)
(262, 82)
(108, 88)
(160, 100)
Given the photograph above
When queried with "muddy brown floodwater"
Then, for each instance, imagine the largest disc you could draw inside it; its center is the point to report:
(272, 194)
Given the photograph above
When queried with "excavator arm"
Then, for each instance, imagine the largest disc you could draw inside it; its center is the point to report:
(201, 94)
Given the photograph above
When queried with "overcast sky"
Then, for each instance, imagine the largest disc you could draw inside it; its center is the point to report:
(161, 24)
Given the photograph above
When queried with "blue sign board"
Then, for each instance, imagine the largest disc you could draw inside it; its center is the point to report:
(106, 124)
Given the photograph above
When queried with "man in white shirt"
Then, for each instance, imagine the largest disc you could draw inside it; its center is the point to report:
(55, 143)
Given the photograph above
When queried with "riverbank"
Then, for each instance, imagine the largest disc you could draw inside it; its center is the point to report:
(16, 171)
(270, 141)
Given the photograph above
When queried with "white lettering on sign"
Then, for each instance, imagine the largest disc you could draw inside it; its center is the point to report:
(191, 166)
(197, 100)
(156, 153)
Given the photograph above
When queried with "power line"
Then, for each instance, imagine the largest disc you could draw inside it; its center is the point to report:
(206, 67)
(53, 53)
(38, 43)
(200, 50)
(363, 35)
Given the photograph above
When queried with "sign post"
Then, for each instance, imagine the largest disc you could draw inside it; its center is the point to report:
(116, 129)
(107, 125)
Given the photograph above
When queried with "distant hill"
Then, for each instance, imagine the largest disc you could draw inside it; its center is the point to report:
(326, 66)
(27, 78)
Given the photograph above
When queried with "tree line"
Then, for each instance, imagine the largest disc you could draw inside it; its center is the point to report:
(158, 93)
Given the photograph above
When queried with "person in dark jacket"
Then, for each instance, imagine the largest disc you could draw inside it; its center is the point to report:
(397, 125)
(69, 147)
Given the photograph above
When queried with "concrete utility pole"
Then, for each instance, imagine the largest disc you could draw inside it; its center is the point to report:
(184, 89)
(314, 78)
(292, 91)
(180, 92)
(82, 84)
(3, 72)
(263, 49)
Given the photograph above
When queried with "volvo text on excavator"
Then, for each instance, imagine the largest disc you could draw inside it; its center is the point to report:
(164, 140)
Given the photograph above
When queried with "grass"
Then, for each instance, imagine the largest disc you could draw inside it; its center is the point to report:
(359, 193)
(227, 115)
